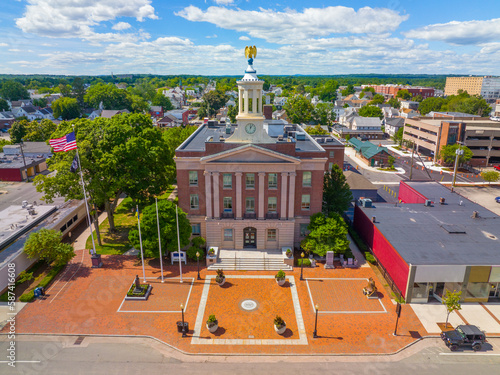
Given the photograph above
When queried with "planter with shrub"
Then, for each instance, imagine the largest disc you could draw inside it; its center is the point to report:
(279, 325)
(280, 278)
(212, 324)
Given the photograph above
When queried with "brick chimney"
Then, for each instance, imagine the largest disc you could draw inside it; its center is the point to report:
(268, 112)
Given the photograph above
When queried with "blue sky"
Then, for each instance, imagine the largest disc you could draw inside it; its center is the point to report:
(208, 37)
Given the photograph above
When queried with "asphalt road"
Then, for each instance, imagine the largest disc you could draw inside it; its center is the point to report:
(14, 193)
(141, 356)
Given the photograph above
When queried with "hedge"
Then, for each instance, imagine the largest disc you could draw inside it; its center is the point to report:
(29, 296)
(307, 262)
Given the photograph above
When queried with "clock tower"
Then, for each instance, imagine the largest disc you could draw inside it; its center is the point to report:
(250, 118)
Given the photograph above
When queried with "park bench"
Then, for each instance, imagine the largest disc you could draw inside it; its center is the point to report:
(174, 257)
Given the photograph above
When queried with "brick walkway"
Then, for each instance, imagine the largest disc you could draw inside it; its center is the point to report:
(92, 302)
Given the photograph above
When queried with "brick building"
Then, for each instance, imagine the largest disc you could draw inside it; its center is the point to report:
(253, 184)
(392, 90)
(488, 87)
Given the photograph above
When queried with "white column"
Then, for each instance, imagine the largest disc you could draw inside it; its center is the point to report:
(245, 96)
(291, 196)
(260, 101)
(208, 194)
(216, 195)
(240, 101)
(238, 195)
(283, 196)
(261, 196)
(254, 101)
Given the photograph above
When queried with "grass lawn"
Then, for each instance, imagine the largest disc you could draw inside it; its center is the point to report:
(125, 220)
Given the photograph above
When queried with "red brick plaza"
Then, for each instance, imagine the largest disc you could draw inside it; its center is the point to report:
(84, 301)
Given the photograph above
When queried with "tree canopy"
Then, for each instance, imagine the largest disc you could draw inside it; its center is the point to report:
(371, 111)
(463, 102)
(212, 102)
(323, 114)
(162, 100)
(111, 97)
(394, 103)
(298, 109)
(490, 176)
(326, 234)
(404, 94)
(4, 106)
(66, 108)
(13, 90)
(168, 229)
(377, 99)
(39, 131)
(348, 90)
(18, 130)
(316, 130)
(46, 244)
(448, 154)
(336, 192)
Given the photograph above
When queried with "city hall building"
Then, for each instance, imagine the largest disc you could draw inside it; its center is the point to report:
(253, 184)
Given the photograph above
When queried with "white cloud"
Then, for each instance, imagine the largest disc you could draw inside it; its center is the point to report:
(3, 44)
(467, 32)
(211, 36)
(14, 50)
(290, 26)
(224, 2)
(122, 26)
(244, 38)
(76, 18)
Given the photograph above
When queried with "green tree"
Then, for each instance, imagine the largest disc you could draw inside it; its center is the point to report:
(403, 94)
(39, 131)
(348, 90)
(490, 176)
(162, 100)
(474, 105)
(79, 91)
(316, 130)
(398, 137)
(323, 113)
(377, 99)
(232, 112)
(64, 89)
(138, 104)
(4, 142)
(452, 302)
(168, 229)
(448, 154)
(326, 234)
(212, 102)
(368, 89)
(394, 103)
(124, 154)
(298, 109)
(66, 108)
(110, 96)
(46, 244)
(4, 106)
(328, 92)
(18, 130)
(432, 104)
(13, 90)
(336, 192)
(371, 111)
(391, 160)
(41, 102)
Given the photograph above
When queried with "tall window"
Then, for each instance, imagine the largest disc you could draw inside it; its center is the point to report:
(332, 154)
(306, 202)
(195, 203)
(227, 181)
(272, 204)
(228, 234)
(250, 180)
(272, 180)
(271, 234)
(228, 204)
(330, 166)
(303, 230)
(193, 178)
(306, 179)
(196, 229)
(250, 204)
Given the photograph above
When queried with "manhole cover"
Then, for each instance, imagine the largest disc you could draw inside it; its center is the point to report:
(248, 305)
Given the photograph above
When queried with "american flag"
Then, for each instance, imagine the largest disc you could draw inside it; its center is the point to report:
(66, 143)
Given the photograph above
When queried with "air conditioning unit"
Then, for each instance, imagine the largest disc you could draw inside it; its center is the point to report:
(428, 203)
(367, 203)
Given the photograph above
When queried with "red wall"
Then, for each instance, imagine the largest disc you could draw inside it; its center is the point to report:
(409, 195)
(383, 250)
(10, 174)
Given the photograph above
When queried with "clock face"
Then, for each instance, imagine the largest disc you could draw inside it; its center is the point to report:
(250, 128)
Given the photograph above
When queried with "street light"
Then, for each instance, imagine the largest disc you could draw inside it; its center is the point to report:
(459, 152)
(302, 266)
(315, 333)
(183, 326)
(198, 260)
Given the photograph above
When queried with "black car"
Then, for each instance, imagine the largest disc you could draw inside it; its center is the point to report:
(464, 335)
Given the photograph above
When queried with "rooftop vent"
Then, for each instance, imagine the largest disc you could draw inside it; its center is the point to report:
(475, 214)
(428, 203)
(453, 229)
(441, 200)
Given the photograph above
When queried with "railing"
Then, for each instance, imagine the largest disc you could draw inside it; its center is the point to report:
(227, 215)
(272, 216)
(249, 215)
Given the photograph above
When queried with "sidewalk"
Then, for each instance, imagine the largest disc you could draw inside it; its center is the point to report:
(362, 164)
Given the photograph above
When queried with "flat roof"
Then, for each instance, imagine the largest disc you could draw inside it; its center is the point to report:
(441, 234)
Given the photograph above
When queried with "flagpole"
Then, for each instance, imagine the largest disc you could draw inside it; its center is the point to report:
(178, 242)
(86, 204)
(140, 241)
(159, 239)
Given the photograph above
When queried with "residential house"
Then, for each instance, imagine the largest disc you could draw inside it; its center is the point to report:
(169, 121)
(390, 112)
(279, 101)
(409, 113)
(409, 104)
(176, 97)
(371, 154)
(392, 125)
(6, 120)
(108, 113)
(339, 111)
(28, 111)
(156, 112)
(46, 113)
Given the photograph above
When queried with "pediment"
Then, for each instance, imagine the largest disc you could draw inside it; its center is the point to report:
(250, 154)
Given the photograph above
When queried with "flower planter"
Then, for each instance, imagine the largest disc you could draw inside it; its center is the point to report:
(280, 330)
(221, 282)
(212, 328)
(281, 282)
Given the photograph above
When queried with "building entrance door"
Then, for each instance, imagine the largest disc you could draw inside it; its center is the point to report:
(250, 237)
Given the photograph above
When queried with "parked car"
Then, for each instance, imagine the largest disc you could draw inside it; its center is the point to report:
(497, 167)
(497, 199)
(464, 335)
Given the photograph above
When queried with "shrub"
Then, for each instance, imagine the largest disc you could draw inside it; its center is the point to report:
(279, 322)
(191, 252)
(280, 275)
(25, 276)
(288, 253)
(211, 321)
(211, 251)
(220, 276)
(370, 258)
(27, 297)
(307, 262)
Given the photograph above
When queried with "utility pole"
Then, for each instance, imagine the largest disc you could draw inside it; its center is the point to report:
(458, 153)
(24, 161)
(411, 166)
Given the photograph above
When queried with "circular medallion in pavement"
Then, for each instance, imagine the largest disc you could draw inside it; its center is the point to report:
(248, 305)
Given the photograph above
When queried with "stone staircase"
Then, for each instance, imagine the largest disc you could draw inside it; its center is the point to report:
(250, 260)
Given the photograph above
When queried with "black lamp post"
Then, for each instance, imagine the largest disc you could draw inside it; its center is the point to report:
(315, 333)
(198, 260)
(183, 326)
(302, 266)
